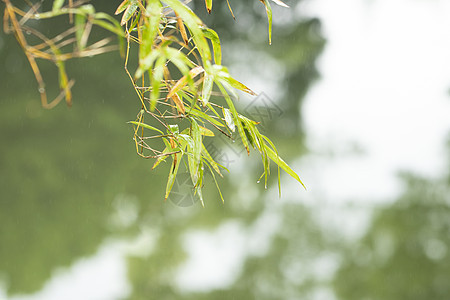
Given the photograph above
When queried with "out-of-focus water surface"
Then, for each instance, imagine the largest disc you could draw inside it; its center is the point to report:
(355, 95)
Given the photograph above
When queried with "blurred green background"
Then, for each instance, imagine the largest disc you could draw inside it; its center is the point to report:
(70, 181)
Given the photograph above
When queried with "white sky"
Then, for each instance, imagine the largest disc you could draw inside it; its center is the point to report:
(385, 80)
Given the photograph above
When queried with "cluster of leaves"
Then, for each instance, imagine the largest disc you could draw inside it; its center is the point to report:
(179, 73)
(57, 49)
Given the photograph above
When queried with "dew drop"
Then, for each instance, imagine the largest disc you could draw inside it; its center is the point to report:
(41, 90)
(258, 181)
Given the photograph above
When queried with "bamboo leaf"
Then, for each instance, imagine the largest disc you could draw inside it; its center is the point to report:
(231, 11)
(139, 124)
(224, 76)
(183, 80)
(200, 114)
(80, 22)
(57, 4)
(179, 103)
(122, 6)
(198, 186)
(205, 131)
(228, 119)
(215, 181)
(208, 81)
(161, 158)
(193, 23)
(182, 29)
(235, 117)
(155, 78)
(280, 3)
(131, 9)
(282, 164)
(208, 5)
(269, 17)
(173, 173)
(210, 160)
(154, 8)
(212, 35)
(196, 150)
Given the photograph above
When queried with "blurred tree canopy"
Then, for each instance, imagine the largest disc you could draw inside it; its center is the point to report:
(405, 252)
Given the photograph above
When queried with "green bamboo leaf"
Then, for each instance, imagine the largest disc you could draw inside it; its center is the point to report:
(80, 22)
(185, 79)
(214, 37)
(208, 5)
(139, 124)
(173, 173)
(110, 27)
(150, 31)
(215, 181)
(57, 4)
(208, 81)
(179, 59)
(235, 116)
(194, 24)
(278, 166)
(131, 9)
(228, 116)
(113, 26)
(200, 114)
(198, 188)
(146, 63)
(205, 131)
(187, 139)
(122, 6)
(155, 78)
(269, 18)
(222, 74)
(161, 158)
(194, 159)
(174, 129)
(280, 162)
(210, 160)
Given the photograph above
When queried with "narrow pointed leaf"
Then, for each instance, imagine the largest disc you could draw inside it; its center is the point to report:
(57, 4)
(122, 6)
(215, 181)
(139, 124)
(280, 3)
(231, 11)
(280, 162)
(131, 9)
(194, 159)
(210, 160)
(269, 17)
(200, 114)
(208, 81)
(173, 173)
(205, 131)
(154, 8)
(229, 119)
(208, 5)
(184, 80)
(194, 24)
(235, 116)
(214, 37)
